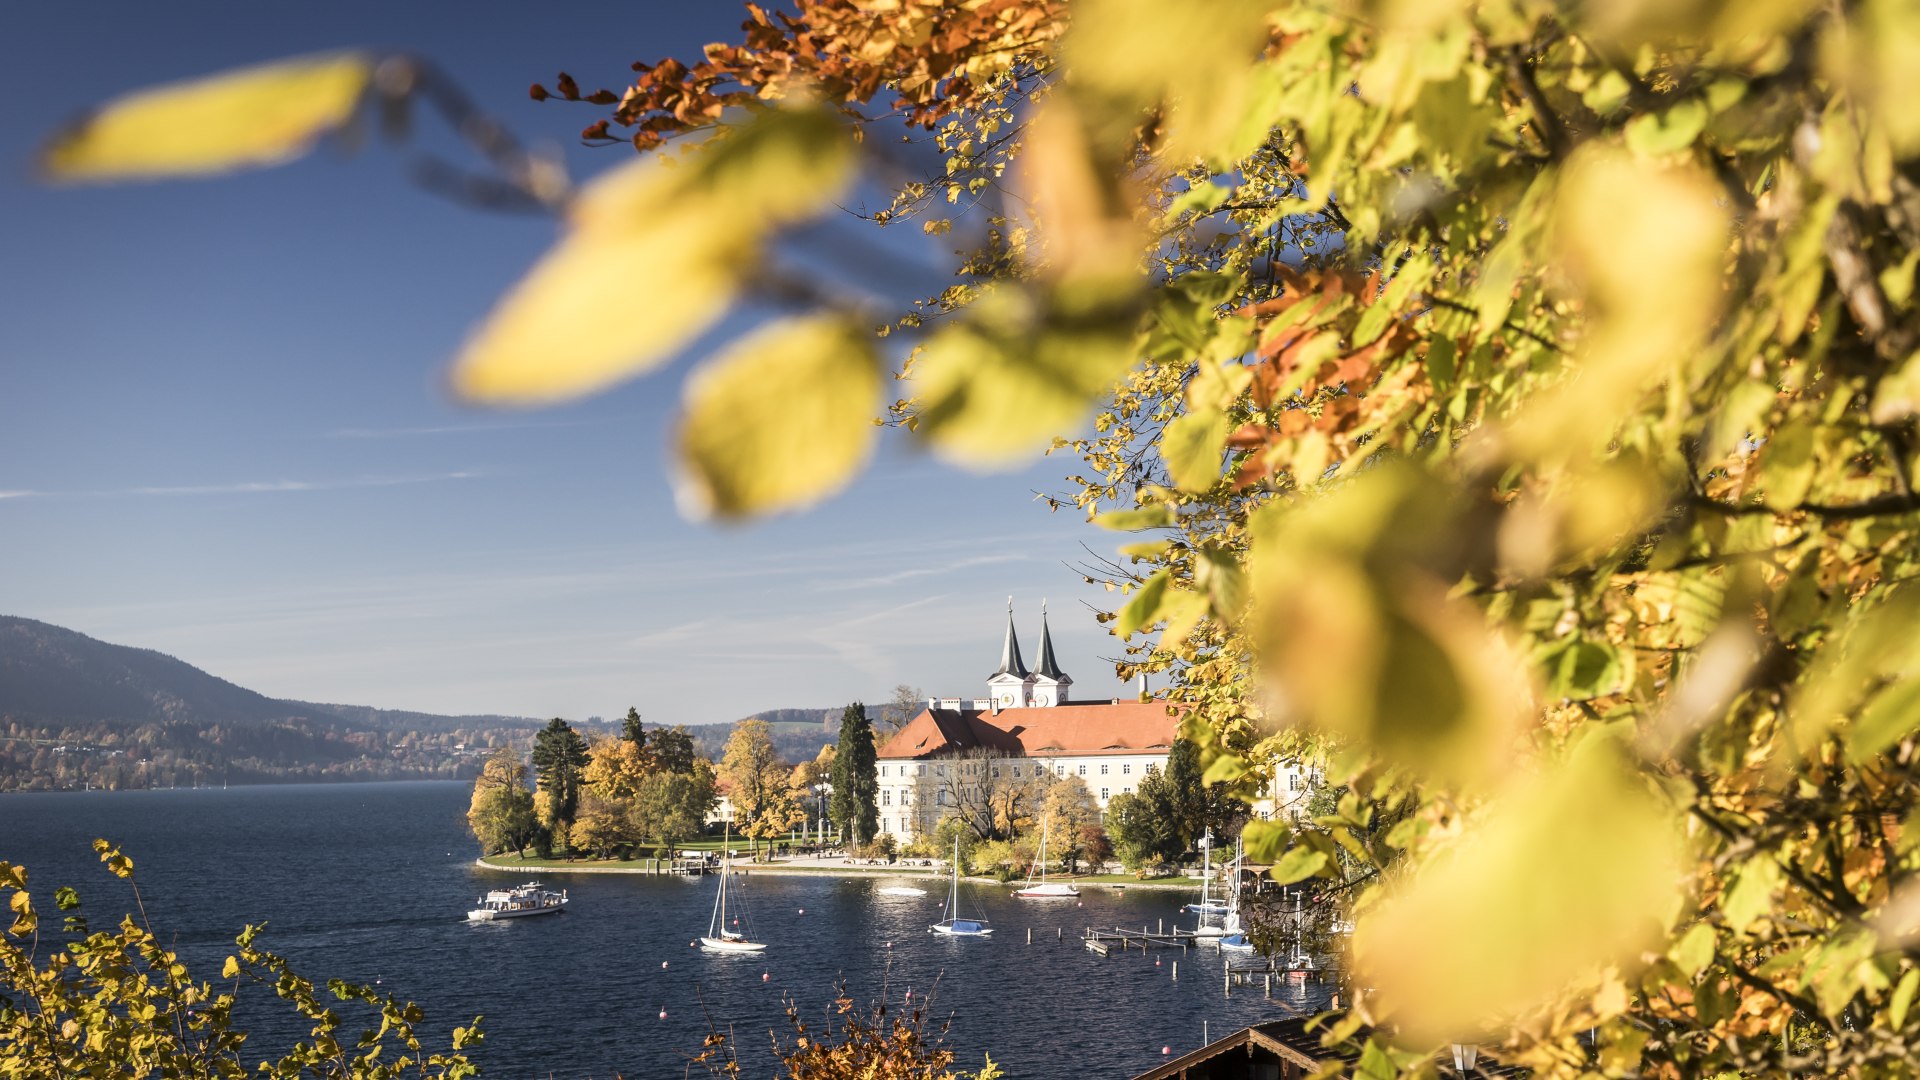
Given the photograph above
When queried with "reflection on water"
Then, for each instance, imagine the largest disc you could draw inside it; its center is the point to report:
(372, 882)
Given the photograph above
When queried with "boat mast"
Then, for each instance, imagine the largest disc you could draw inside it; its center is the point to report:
(953, 902)
(1206, 867)
(726, 864)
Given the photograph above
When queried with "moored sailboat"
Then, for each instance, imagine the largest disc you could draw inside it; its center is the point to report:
(952, 925)
(1233, 936)
(1043, 889)
(719, 937)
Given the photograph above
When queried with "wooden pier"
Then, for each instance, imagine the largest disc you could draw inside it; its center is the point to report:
(1145, 939)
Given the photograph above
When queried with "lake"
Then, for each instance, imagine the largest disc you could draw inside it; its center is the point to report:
(372, 882)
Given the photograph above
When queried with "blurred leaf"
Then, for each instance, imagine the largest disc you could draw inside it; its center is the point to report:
(1144, 53)
(1787, 465)
(1191, 448)
(240, 119)
(1865, 677)
(781, 420)
(1356, 574)
(1659, 134)
(1012, 377)
(1581, 668)
(1159, 515)
(1575, 869)
(654, 253)
(1902, 999)
(1298, 864)
(1265, 841)
(1751, 893)
(1694, 951)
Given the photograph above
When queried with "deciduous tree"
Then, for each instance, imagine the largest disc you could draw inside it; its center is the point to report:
(757, 782)
(501, 810)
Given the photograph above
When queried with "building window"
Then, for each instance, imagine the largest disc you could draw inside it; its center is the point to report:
(1083, 770)
(996, 770)
(923, 770)
(1151, 769)
(886, 797)
(1293, 782)
(1103, 770)
(1016, 770)
(1126, 770)
(1059, 770)
(1103, 793)
(940, 797)
(940, 769)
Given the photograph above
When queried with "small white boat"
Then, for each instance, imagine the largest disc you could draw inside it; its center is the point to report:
(1042, 889)
(1207, 905)
(900, 890)
(518, 902)
(951, 926)
(719, 937)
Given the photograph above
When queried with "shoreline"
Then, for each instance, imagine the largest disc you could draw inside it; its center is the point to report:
(778, 870)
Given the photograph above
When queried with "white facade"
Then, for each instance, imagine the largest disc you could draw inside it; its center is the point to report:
(935, 762)
(914, 794)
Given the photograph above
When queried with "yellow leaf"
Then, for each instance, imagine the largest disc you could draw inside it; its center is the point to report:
(1191, 448)
(255, 116)
(1574, 870)
(780, 421)
(1008, 381)
(654, 253)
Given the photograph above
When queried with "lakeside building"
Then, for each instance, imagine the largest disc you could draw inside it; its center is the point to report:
(1290, 1049)
(958, 754)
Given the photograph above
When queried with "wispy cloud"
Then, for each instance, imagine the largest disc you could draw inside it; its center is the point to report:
(257, 487)
(253, 487)
(452, 429)
(874, 581)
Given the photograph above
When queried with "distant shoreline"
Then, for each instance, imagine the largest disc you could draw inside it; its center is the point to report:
(778, 869)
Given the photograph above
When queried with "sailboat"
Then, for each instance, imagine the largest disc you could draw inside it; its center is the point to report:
(957, 927)
(1233, 937)
(719, 938)
(1207, 905)
(1044, 889)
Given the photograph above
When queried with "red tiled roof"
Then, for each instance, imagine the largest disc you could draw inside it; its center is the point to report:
(1075, 728)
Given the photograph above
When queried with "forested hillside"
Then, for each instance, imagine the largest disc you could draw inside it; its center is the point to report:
(78, 712)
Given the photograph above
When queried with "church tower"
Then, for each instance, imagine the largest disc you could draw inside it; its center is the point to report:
(1050, 684)
(1011, 687)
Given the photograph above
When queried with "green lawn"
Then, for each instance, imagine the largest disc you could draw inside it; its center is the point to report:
(1129, 879)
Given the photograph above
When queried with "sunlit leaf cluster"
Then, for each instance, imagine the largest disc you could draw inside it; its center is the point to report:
(1514, 406)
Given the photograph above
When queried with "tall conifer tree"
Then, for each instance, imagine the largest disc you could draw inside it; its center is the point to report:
(856, 781)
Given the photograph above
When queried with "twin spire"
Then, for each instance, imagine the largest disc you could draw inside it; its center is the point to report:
(1010, 660)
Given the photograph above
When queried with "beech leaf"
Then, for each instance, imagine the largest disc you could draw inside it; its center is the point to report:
(654, 253)
(782, 420)
(253, 116)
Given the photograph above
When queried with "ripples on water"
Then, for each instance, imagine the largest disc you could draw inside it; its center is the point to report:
(372, 881)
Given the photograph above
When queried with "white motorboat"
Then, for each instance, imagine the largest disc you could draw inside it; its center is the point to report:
(900, 890)
(518, 902)
(721, 937)
(1042, 889)
(956, 927)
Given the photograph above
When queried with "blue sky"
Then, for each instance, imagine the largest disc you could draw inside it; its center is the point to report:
(222, 434)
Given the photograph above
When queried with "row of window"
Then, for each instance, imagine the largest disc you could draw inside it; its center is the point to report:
(973, 768)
